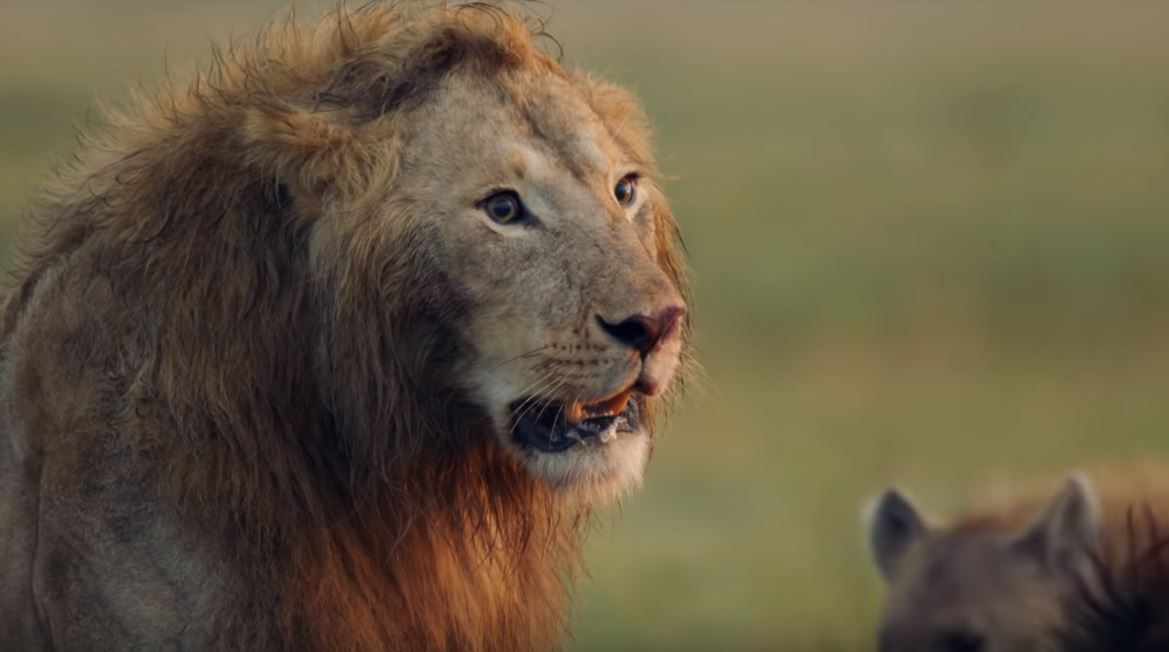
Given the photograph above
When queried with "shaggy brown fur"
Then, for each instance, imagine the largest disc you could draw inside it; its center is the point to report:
(247, 409)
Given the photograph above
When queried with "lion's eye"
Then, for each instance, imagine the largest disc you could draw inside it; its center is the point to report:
(626, 191)
(503, 207)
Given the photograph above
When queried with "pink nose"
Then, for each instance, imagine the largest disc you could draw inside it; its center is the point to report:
(643, 333)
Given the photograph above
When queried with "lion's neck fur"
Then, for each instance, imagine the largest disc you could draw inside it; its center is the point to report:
(480, 568)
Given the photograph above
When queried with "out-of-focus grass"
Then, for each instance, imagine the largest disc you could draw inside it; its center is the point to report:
(930, 243)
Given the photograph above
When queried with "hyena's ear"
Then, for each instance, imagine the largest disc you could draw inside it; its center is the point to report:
(1066, 537)
(894, 525)
(312, 151)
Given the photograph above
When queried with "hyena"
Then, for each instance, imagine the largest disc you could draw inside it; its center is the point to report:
(1083, 571)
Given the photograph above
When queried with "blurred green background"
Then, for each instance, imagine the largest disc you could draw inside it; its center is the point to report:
(931, 243)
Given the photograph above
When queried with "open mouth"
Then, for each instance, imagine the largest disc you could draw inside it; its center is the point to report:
(554, 427)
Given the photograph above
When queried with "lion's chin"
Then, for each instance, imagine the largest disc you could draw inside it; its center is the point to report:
(593, 474)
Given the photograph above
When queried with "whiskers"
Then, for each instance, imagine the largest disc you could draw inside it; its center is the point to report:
(527, 355)
(545, 385)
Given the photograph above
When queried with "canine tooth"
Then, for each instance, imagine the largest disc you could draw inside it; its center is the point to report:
(609, 407)
(573, 435)
(607, 435)
(619, 405)
(574, 412)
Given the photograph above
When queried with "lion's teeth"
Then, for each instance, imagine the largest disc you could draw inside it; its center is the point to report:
(573, 435)
(608, 435)
(574, 412)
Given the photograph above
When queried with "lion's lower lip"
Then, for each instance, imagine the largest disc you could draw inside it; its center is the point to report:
(553, 427)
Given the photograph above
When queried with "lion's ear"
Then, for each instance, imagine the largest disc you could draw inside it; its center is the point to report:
(311, 151)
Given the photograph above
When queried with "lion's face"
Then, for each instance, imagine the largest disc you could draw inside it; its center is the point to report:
(546, 229)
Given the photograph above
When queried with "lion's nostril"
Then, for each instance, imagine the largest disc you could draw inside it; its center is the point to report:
(636, 332)
(644, 332)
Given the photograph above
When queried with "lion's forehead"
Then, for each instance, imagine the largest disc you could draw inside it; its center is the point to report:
(536, 121)
(563, 122)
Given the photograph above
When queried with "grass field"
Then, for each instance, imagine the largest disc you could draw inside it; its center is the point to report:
(931, 243)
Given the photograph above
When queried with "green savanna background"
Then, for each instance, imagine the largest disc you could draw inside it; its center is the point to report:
(931, 246)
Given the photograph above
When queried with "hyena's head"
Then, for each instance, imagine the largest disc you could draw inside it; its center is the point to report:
(982, 585)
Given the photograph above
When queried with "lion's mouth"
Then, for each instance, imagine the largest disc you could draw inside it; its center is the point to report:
(554, 427)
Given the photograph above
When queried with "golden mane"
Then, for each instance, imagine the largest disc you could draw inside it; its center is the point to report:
(300, 440)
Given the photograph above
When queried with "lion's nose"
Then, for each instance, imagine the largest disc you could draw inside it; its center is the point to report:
(644, 332)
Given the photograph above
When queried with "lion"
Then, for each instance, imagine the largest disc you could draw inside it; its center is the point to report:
(1083, 571)
(336, 346)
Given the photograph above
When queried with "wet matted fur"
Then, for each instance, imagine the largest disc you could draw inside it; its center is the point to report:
(261, 353)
